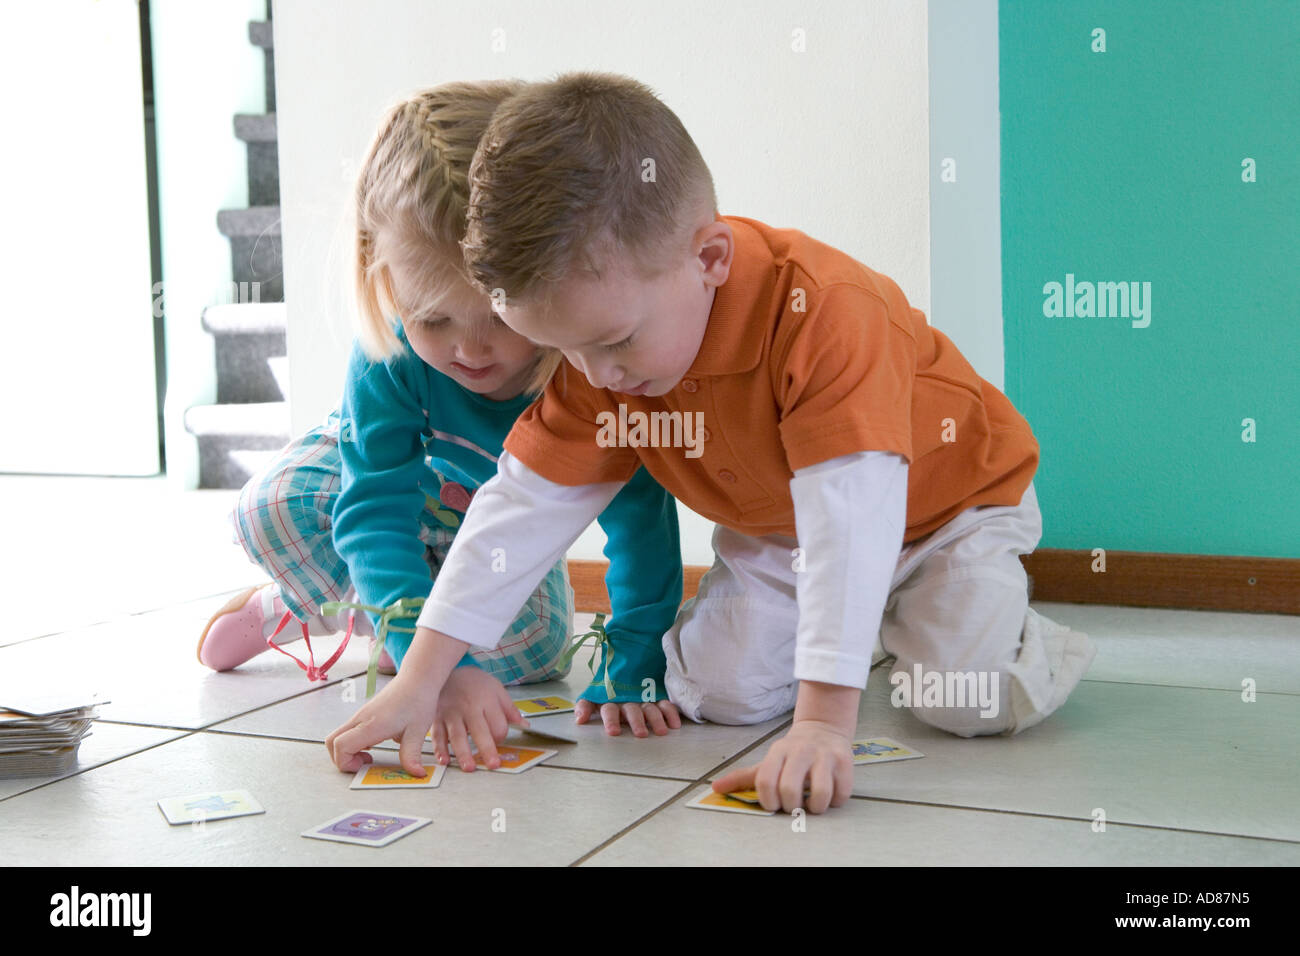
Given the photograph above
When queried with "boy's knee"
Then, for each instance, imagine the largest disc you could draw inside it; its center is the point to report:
(987, 695)
(730, 659)
(965, 721)
(729, 702)
(966, 703)
(749, 708)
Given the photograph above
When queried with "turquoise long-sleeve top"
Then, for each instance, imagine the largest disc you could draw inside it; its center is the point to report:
(397, 412)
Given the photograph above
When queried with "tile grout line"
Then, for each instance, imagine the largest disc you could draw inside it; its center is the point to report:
(1066, 819)
(677, 796)
(185, 732)
(79, 772)
(887, 664)
(542, 766)
(236, 716)
(616, 773)
(123, 616)
(703, 779)
(1225, 690)
(1135, 683)
(632, 826)
(689, 785)
(132, 723)
(939, 806)
(335, 682)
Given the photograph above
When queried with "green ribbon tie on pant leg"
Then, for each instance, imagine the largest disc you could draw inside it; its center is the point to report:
(404, 608)
(598, 639)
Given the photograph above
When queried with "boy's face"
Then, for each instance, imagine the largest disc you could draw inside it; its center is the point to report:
(627, 334)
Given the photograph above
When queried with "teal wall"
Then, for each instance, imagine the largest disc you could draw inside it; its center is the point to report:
(1126, 166)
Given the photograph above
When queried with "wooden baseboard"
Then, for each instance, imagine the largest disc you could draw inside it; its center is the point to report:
(1200, 582)
(588, 581)
(1197, 582)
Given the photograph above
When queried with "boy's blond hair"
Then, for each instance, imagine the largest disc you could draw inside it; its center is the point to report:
(574, 172)
(411, 196)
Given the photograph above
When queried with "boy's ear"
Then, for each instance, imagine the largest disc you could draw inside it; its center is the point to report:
(717, 246)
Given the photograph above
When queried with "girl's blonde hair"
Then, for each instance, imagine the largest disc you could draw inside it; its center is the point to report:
(411, 197)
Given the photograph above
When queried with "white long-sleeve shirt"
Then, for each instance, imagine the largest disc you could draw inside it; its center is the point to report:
(850, 513)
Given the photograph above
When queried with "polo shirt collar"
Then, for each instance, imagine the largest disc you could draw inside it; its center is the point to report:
(733, 339)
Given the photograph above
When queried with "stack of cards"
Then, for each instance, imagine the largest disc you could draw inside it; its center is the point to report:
(40, 737)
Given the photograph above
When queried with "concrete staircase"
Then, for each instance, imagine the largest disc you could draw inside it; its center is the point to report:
(250, 421)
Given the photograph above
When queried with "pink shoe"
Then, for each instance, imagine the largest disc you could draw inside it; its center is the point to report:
(237, 631)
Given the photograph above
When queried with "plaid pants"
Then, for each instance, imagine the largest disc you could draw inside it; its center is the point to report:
(284, 523)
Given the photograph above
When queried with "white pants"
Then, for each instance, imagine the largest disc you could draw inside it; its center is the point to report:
(958, 602)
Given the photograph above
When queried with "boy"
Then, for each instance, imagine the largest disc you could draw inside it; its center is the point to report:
(826, 403)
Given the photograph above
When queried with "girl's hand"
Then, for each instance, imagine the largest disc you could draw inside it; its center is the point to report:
(813, 757)
(660, 716)
(402, 711)
(474, 705)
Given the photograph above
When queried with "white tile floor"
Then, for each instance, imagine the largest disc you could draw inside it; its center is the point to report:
(1157, 736)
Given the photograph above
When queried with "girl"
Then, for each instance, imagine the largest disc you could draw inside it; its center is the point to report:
(369, 502)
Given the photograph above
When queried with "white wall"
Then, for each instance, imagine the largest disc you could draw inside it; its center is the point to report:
(833, 140)
(966, 204)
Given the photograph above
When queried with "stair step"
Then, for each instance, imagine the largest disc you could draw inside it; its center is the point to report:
(260, 34)
(254, 421)
(246, 318)
(255, 127)
(250, 345)
(257, 131)
(236, 441)
(256, 253)
(253, 221)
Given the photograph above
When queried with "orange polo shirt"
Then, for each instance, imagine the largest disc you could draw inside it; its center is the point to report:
(808, 355)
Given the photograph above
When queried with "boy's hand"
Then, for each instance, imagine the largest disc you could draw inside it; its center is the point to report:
(660, 716)
(473, 704)
(813, 756)
(402, 711)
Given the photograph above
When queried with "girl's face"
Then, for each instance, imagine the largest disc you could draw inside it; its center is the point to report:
(460, 336)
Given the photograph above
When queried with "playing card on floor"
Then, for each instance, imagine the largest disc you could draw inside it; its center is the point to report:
(726, 802)
(385, 776)
(366, 828)
(537, 706)
(516, 759)
(213, 805)
(881, 750)
(549, 731)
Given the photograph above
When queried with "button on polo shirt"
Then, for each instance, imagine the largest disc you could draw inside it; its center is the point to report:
(808, 355)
